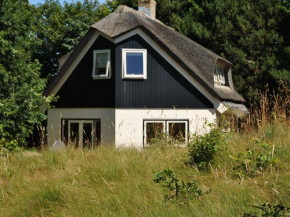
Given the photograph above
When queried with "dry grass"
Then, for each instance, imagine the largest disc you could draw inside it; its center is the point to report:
(113, 182)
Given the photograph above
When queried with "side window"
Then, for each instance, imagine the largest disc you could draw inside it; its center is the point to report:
(175, 131)
(219, 75)
(134, 63)
(81, 133)
(102, 64)
(153, 130)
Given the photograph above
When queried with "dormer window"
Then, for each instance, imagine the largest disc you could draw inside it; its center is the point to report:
(102, 64)
(134, 63)
(219, 75)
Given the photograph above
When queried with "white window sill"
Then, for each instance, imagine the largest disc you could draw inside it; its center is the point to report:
(134, 77)
(97, 78)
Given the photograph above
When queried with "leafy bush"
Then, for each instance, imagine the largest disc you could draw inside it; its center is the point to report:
(202, 149)
(180, 193)
(8, 145)
(250, 162)
(269, 210)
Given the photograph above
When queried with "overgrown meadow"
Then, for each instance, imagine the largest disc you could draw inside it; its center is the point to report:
(243, 173)
(120, 182)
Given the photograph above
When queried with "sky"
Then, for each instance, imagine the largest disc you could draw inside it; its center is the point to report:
(61, 1)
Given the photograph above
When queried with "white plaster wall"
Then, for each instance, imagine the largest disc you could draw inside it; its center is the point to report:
(129, 122)
(107, 117)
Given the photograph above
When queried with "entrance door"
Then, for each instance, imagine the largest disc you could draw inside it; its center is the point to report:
(81, 133)
(87, 134)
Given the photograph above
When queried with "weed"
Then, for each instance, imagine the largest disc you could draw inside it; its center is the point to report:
(203, 149)
(179, 193)
(269, 210)
(251, 163)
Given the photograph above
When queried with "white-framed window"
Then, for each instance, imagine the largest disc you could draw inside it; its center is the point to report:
(81, 133)
(219, 75)
(102, 64)
(175, 131)
(134, 63)
(153, 131)
(178, 131)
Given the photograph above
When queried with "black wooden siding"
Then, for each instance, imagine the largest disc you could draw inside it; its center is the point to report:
(164, 87)
(81, 90)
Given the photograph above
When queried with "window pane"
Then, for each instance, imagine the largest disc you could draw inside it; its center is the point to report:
(74, 134)
(177, 131)
(219, 75)
(153, 131)
(101, 63)
(87, 134)
(98, 131)
(134, 63)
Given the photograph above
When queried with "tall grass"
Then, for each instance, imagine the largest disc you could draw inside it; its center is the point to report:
(267, 107)
(270, 107)
(119, 182)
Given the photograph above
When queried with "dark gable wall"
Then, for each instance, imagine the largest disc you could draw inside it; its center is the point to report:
(81, 90)
(164, 87)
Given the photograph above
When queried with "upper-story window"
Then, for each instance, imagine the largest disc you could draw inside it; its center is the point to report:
(219, 75)
(102, 64)
(134, 64)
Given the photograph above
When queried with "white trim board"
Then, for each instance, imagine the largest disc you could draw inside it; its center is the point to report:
(217, 103)
(74, 64)
(108, 65)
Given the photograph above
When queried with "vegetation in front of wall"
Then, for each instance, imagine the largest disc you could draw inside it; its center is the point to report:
(202, 149)
(269, 210)
(180, 192)
(253, 162)
(29, 58)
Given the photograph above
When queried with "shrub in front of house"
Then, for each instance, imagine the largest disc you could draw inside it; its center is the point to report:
(202, 149)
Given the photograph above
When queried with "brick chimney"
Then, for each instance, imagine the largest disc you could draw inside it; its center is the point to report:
(148, 7)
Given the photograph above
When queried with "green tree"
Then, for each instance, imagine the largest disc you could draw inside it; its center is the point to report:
(20, 85)
(60, 29)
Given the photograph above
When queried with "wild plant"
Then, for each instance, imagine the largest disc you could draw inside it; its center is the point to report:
(182, 192)
(269, 210)
(267, 107)
(202, 149)
(252, 163)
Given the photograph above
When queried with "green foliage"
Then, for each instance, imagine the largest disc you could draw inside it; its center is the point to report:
(113, 4)
(270, 210)
(179, 193)
(30, 47)
(251, 162)
(60, 28)
(20, 85)
(250, 34)
(202, 149)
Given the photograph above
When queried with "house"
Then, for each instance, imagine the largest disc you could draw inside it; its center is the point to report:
(132, 78)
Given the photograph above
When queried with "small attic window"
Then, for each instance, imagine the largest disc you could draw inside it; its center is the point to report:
(101, 68)
(219, 76)
(134, 63)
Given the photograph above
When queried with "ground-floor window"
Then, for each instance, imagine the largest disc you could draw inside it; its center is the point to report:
(153, 131)
(177, 130)
(81, 133)
(173, 130)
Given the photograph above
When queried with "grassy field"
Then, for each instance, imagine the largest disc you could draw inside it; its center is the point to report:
(119, 182)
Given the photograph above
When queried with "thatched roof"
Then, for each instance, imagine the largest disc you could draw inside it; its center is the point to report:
(194, 58)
